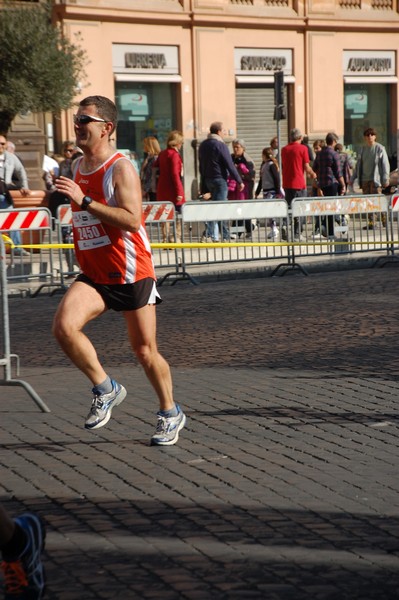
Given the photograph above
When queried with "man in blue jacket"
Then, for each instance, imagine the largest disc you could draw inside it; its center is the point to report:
(216, 165)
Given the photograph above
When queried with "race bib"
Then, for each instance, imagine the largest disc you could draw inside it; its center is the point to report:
(89, 232)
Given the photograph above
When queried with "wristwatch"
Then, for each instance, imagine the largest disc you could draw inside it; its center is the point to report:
(86, 202)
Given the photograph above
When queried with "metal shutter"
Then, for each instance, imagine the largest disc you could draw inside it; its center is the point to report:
(255, 122)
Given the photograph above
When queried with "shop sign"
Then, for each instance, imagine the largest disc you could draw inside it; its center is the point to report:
(142, 58)
(262, 61)
(369, 62)
(145, 60)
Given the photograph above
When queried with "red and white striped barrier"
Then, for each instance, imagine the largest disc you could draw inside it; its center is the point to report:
(12, 220)
(395, 202)
(155, 212)
(64, 215)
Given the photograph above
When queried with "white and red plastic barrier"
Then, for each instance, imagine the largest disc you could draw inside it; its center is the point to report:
(13, 220)
(154, 212)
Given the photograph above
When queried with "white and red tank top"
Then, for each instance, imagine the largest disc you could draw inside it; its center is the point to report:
(107, 254)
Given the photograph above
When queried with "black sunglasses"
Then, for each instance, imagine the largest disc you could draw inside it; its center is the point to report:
(84, 119)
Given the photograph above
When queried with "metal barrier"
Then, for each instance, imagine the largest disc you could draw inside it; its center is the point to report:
(63, 225)
(34, 225)
(340, 225)
(5, 360)
(162, 227)
(268, 231)
(259, 215)
(313, 227)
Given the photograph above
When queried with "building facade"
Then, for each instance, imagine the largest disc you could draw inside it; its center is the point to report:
(181, 64)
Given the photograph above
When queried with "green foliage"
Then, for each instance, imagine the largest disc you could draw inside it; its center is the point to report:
(39, 68)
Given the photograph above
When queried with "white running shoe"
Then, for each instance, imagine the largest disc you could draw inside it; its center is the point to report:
(101, 406)
(167, 431)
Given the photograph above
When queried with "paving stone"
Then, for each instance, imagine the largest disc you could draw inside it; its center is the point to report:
(284, 482)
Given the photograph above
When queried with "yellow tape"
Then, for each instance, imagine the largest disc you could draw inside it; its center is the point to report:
(7, 240)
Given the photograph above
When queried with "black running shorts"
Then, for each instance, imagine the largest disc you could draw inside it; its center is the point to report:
(125, 296)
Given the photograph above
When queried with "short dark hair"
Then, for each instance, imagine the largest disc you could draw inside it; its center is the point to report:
(331, 138)
(66, 144)
(106, 109)
(369, 131)
(216, 126)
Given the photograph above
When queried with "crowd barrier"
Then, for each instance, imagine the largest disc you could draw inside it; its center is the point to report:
(160, 221)
(34, 225)
(5, 359)
(313, 227)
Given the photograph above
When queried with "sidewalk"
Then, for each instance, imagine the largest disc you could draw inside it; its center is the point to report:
(283, 484)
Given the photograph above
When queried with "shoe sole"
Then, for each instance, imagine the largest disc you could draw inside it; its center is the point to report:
(119, 399)
(171, 442)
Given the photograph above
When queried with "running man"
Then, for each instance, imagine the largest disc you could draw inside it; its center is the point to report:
(114, 254)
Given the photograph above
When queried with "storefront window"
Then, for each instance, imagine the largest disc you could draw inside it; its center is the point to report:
(367, 105)
(144, 109)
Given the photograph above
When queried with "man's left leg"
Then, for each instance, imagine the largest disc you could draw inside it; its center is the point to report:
(141, 326)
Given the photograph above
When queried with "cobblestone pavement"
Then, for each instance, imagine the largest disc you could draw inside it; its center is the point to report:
(284, 484)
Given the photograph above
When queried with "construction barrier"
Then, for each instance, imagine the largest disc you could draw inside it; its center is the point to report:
(266, 232)
(33, 226)
(6, 357)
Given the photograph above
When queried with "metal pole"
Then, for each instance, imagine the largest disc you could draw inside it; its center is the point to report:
(6, 360)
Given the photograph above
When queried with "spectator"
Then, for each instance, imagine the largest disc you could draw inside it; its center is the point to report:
(216, 165)
(12, 176)
(148, 183)
(269, 184)
(313, 191)
(57, 199)
(51, 169)
(274, 147)
(10, 147)
(134, 159)
(317, 146)
(295, 162)
(327, 166)
(21, 546)
(305, 142)
(345, 164)
(170, 186)
(246, 168)
(372, 169)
